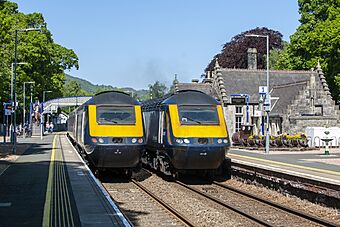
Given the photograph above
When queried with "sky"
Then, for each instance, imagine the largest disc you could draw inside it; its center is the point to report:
(133, 43)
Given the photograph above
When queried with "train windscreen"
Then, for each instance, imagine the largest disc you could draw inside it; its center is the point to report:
(193, 115)
(108, 115)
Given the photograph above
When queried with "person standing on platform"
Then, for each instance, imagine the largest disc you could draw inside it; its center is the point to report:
(51, 127)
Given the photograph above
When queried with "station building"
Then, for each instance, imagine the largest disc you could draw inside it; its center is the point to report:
(299, 99)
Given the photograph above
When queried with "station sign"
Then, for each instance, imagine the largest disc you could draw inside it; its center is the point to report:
(8, 108)
(238, 100)
(263, 90)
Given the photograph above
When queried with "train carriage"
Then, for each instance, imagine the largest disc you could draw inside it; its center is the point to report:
(186, 132)
(108, 129)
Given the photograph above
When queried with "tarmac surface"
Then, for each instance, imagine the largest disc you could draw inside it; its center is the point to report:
(23, 186)
(312, 164)
(49, 185)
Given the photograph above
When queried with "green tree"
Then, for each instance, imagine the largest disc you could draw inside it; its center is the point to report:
(72, 88)
(157, 89)
(316, 39)
(275, 57)
(46, 60)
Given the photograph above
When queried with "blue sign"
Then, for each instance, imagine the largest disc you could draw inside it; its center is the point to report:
(263, 90)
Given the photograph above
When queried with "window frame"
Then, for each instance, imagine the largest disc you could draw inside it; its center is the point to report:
(117, 106)
(203, 123)
(238, 115)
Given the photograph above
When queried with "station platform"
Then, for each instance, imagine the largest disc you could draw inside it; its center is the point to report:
(310, 164)
(50, 185)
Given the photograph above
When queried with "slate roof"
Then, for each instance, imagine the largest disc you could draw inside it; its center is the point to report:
(286, 94)
(206, 88)
(243, 81)
(283, 84)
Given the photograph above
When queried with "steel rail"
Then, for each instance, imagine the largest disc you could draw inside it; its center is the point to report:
(279, 206)
(166, 206)
(220, 202)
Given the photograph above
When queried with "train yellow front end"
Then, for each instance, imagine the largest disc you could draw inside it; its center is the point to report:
(108, 130)
(112, 143)
(186, 132)
(198, 141)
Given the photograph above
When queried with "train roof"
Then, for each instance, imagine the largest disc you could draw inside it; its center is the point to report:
(183, 97)
(112, 97)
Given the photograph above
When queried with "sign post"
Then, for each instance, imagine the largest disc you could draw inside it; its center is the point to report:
(262, 92)
(7, 112)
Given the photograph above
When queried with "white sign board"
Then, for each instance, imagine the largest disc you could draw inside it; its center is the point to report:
(267, 103)
(7, 112)
(263, 90)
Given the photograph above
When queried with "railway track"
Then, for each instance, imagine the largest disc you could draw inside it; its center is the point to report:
(257, 210)
(277, 205)
(180, 216)
(142, 207)
(263, 212)
(314, 191)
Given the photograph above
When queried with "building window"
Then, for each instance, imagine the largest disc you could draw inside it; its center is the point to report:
(318, 110)
(238, 110)
(238, 123)
(238, 118)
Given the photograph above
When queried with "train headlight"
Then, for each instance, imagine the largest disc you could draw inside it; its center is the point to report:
(180, 141)
(134, 140)
(101, 140)
(186, 141)
(219, 141)
(94, 140)
(140, 140)
(225, 141)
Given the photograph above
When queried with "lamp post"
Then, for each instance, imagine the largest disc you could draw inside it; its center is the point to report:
(23, 108)
(12, 69)
(42, 115)
(14, 98)
(12, 129)
(31, 109)
(267, 97)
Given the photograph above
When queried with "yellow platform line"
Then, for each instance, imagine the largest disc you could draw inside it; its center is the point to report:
(286, 164)
(66, 198)
(49, 189)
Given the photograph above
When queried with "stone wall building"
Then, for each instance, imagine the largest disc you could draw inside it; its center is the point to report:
(299, 99)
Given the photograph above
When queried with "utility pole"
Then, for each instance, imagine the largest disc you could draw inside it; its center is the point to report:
(24, 106)
(14, 96)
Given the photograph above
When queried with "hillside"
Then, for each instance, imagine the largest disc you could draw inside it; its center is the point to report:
(93, 88)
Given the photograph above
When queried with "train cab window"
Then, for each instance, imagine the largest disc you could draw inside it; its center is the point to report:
(108, 115)
(193, 115)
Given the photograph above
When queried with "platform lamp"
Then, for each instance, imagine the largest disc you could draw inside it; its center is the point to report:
(24, 103)
(42, 115)
(267, 97)
(14, 98)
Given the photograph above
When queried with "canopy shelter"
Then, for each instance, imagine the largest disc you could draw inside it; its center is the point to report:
(51, 106)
